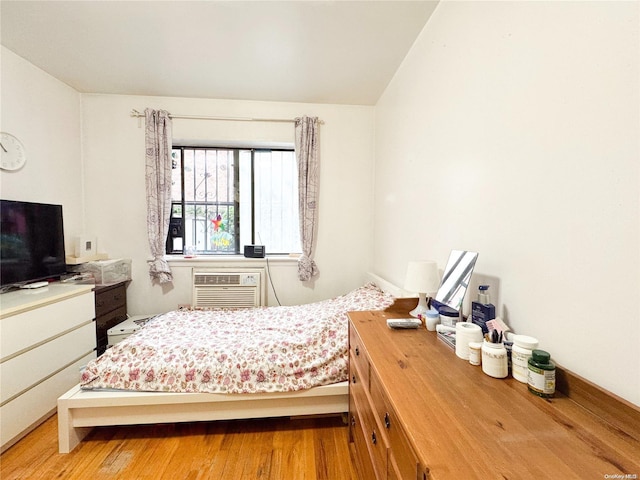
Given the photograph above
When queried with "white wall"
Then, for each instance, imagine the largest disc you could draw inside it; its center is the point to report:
(512, 129)
(115, 189)
(44, 114)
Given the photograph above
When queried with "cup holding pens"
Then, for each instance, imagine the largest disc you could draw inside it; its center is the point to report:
(494, 359)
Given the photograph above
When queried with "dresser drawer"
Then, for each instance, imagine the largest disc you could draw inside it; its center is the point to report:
(23, 372)
(358, 355)
(357, 388)
(110, 298)
(393, 473)
(375, 440)
(401, 452)
(33, 327)
(104, 323)
(111, 319)
(361, 451)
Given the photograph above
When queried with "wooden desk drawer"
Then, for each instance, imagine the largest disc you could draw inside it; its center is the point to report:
(403, 456)
(358, 356)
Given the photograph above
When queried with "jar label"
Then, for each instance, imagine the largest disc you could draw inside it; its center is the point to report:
(519, 365)
(474, 356)
(542, 381)
(498, 355)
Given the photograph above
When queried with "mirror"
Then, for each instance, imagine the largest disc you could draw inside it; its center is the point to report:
(455, 280)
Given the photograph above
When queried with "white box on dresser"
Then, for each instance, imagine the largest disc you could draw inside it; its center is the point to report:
(46, 336)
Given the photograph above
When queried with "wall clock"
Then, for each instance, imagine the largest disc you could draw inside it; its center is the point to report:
(12, 154)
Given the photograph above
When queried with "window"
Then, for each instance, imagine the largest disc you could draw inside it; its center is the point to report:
(225, 198)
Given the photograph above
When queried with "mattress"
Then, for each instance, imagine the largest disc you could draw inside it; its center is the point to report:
(265, 349)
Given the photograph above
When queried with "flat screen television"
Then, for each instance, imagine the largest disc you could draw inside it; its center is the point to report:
(31, 242)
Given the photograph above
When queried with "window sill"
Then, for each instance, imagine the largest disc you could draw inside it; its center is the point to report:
(221, 259)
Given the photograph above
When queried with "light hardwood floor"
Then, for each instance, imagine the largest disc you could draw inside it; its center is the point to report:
(277, 449)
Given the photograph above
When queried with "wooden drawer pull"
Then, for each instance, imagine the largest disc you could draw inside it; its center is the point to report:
(357, 352)
(387, 420)
(353, 379)
(374, 439)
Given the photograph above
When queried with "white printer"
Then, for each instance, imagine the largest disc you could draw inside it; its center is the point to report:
(124, 329)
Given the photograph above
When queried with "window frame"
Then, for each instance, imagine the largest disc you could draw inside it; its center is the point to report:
(179, 222)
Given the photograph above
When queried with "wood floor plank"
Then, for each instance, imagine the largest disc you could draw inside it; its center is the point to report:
(266, 449)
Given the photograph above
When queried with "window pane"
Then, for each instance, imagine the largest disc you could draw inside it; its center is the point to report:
(235, 197)
(176, 176)
(222, 231)
(276, 201)
(189, 175)
(210, 200)
(246, 198)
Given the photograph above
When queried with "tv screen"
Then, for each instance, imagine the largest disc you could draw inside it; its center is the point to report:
(31, 242)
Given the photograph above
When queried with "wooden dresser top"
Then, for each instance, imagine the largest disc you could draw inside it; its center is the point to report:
(465, 424)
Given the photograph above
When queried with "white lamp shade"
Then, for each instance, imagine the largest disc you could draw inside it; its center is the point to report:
(422, 277)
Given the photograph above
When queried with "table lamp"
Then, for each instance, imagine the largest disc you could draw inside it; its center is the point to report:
(423, 279)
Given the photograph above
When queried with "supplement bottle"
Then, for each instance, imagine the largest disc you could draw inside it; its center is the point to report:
(520, 354)
(542, 374)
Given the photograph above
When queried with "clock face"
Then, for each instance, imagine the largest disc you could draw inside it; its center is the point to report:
(12, 154)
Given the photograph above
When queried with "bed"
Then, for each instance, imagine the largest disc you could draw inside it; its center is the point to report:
(294, 362)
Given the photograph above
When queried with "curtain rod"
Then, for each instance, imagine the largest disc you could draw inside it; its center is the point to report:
(136, 113)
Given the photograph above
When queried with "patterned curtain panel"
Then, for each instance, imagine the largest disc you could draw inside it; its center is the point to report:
(306, 132)
(158, 181)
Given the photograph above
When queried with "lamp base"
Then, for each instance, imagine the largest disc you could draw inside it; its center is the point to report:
(422, 306)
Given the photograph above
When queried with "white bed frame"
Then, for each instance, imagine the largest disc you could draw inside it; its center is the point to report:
(81, 410)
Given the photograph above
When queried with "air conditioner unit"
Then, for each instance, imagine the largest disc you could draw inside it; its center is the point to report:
(229, 288)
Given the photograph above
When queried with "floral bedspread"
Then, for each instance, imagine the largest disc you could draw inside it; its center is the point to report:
(267, 349)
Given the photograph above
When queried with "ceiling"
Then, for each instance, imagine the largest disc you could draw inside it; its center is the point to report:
(340, 52)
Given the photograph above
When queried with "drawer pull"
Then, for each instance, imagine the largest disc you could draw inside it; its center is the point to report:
(357, 352)
(353, 420)
(353, 379)
(387, 420)
(374, 439)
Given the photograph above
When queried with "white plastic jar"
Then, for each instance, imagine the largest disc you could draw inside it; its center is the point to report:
(494, 359)
(475, 353)
(432, 318)
(523, 345)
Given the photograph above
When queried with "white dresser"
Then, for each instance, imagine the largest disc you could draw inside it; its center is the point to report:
(46, 336)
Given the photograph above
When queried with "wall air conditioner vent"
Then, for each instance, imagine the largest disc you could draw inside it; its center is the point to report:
(201, 279)
(228, 289)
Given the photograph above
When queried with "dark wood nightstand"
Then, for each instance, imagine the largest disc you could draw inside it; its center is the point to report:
(111, 309)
